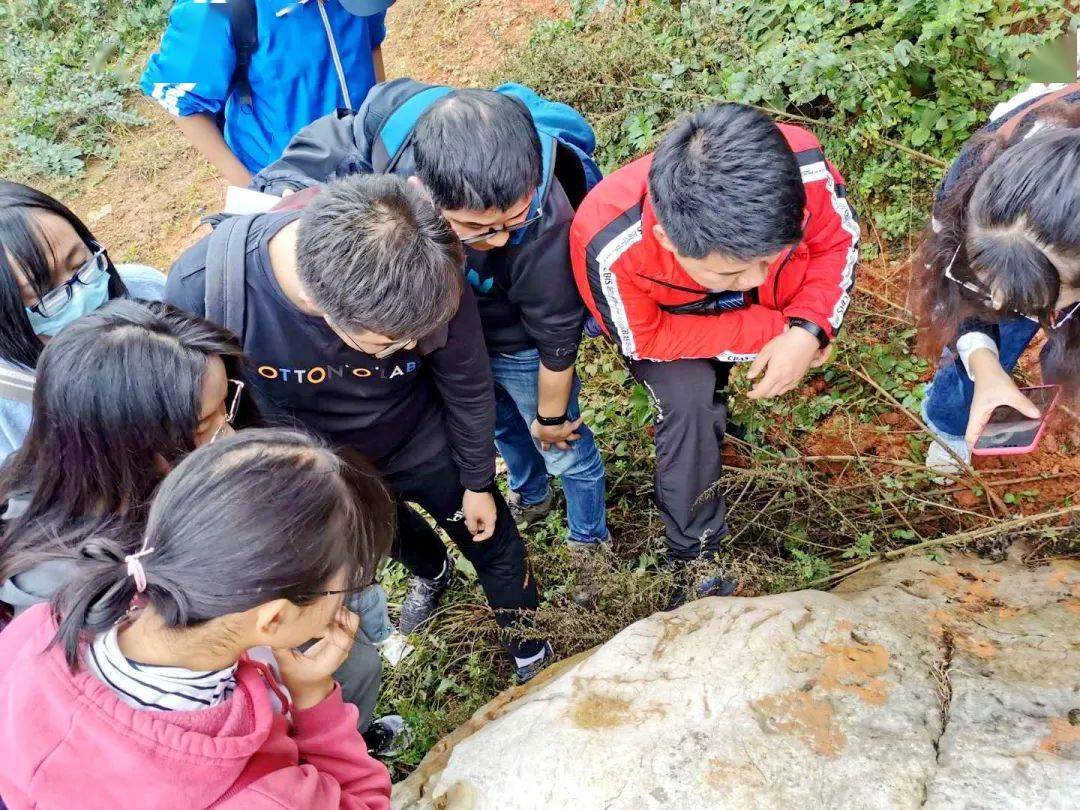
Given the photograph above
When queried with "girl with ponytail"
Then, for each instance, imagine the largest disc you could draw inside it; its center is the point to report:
(136, 688)
(1000, 262)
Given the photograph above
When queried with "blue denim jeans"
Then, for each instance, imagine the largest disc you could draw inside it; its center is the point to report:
(948, 399)
(580, 468)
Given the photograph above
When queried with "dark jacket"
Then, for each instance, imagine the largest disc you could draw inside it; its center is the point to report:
(526, 292)
(398, 412)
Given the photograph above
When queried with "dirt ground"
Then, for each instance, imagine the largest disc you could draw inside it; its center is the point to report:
(147, 205)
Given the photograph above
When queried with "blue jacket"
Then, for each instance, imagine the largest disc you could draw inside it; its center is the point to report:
(293, 76)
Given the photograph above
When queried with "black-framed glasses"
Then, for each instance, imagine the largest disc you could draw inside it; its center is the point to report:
(59, 297)
(384, 352)
(516, 227)
(311, 597)
(985, 296)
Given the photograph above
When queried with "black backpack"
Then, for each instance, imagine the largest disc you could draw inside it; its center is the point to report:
(243, 23)
(224, 293)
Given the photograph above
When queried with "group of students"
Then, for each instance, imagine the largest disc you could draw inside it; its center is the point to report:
(214, 463)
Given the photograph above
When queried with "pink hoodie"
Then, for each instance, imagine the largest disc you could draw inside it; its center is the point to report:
(67, 741)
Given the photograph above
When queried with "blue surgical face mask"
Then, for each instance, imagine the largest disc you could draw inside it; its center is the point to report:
(85, 298)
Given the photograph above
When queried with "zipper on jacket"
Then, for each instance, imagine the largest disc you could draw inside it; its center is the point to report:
(334, 54)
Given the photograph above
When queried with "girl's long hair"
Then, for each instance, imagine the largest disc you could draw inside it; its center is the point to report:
(1015, 195)
(23, 245)
(116, 405)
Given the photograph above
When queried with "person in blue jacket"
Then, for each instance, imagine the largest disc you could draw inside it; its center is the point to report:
(241, 77)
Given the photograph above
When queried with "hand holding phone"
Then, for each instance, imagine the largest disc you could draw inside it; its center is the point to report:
(1010, 432)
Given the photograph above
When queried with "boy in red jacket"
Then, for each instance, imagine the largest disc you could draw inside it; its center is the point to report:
(734, 242)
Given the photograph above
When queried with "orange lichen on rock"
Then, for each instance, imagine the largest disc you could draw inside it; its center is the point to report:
(811, 719)
(1064, 578)
(856, 669)
(1062, 734)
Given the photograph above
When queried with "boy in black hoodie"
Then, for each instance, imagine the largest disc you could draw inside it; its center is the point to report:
(358, 326)
(509, 191)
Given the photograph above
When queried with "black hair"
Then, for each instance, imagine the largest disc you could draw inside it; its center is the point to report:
(116, 404)
(374, 254)
(477, 149)
(23, 246)
(724, 180)
(1019, 193)
(261, 515)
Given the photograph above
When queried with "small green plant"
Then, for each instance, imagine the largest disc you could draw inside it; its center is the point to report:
(67, 71)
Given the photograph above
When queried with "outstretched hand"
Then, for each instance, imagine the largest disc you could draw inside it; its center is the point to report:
(993, 389)
(785, 360)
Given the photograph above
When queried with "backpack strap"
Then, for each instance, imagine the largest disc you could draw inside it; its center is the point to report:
(17, 385)
(396, 131)
(243, 23)
(1008, 129)
(224, 296)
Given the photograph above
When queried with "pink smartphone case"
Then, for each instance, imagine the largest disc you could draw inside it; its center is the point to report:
(1019, 451)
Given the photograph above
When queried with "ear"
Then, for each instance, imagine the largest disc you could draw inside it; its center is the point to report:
(418, 184)
(662, 238)
(269, 619)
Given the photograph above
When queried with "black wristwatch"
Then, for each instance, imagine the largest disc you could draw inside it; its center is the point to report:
(550, 421)
(812, 328)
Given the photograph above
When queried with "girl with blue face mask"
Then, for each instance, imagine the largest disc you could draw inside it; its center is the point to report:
(52, 272)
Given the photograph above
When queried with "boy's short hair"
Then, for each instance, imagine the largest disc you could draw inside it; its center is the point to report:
(724, 180)
(375, 255)
(477, 149)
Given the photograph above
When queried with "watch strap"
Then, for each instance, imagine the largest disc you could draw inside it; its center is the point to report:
(550, 421)
(811, 327)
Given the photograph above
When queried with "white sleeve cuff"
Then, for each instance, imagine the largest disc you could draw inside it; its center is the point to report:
(967, 343)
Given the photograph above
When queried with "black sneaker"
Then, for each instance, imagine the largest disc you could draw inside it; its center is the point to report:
(695, 580)
(527, 672)
(526, 515)
(388, 736)
(423, 597)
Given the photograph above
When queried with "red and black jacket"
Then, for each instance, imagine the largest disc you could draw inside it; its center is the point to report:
(628, 281)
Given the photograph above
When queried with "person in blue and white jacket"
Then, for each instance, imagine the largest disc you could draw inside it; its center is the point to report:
(241, 77)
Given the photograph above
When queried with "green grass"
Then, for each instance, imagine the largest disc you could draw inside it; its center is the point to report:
(66, 79)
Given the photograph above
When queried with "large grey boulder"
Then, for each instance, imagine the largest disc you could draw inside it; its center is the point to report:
(917, 684)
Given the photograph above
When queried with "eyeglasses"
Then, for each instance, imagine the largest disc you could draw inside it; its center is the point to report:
(986, 296)
(517, 226)
(385, 351)
(232, 396)
(59, 297)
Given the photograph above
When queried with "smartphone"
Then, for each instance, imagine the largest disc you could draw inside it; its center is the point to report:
(1009, 432)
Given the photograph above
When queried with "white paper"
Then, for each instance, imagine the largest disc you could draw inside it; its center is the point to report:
(245, 201)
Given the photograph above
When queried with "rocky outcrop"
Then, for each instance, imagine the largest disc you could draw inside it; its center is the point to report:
(918, 684)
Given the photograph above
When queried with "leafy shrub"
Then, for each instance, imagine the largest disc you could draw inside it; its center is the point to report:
(68, 66)
(891, 88)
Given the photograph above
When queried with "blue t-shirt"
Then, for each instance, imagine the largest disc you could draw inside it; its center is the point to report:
(142, 282)
(293, 77)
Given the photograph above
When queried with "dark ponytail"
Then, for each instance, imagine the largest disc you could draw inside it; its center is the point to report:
(262, 515)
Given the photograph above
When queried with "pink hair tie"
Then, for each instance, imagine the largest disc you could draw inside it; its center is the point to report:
(135, 567)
